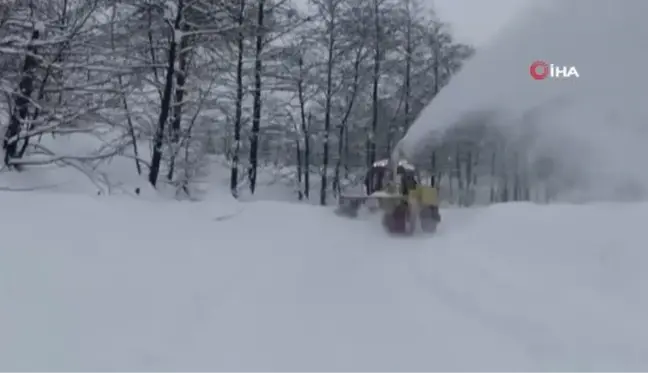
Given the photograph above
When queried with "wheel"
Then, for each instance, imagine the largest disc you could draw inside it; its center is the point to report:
(399, 221)
(429, 218)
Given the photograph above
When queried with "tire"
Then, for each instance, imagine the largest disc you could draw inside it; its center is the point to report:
(429, 219)
(399, 221)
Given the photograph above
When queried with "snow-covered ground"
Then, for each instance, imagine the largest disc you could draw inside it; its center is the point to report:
(114, 283)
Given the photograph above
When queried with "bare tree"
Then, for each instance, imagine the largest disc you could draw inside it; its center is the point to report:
(240, 44)
(165, 108)
(256, 115)
(329, 10)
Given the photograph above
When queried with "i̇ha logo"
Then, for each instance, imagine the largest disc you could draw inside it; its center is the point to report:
(541, 70)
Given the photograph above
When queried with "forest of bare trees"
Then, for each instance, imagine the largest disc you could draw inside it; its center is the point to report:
(314, 89)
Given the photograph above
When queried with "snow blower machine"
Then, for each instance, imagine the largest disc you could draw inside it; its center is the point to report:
(395, 189)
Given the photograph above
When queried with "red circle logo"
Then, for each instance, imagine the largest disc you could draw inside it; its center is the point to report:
(539, 70)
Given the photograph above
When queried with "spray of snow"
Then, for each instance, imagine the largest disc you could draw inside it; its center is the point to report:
(596, 124)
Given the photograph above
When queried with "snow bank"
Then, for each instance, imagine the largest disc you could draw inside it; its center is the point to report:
(118, 174)
(84, 170)
(596, 124)
(110, 283)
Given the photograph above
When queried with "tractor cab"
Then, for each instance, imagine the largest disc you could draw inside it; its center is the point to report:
(379, 176)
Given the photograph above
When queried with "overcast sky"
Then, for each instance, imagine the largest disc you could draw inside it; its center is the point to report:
(476, 21)
(473, 21)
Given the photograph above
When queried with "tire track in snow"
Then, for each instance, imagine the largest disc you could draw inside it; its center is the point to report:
(533, 337)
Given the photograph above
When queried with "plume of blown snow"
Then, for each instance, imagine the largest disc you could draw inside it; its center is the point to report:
(595, 126)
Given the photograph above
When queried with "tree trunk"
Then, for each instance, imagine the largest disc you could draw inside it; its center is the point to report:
(408, 67)
(165, 106)
(305, 126)
(492, 176)
(517, 182)
(239, 103)
(371, 141)
(327, 114)
(21, 102)
(347, 152)
(300, 192)
(181, 79)
(343, 124)
(256, 109)
(470, 177)
(461, 190)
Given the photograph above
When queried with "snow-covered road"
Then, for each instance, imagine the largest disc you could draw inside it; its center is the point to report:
(116, 284)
